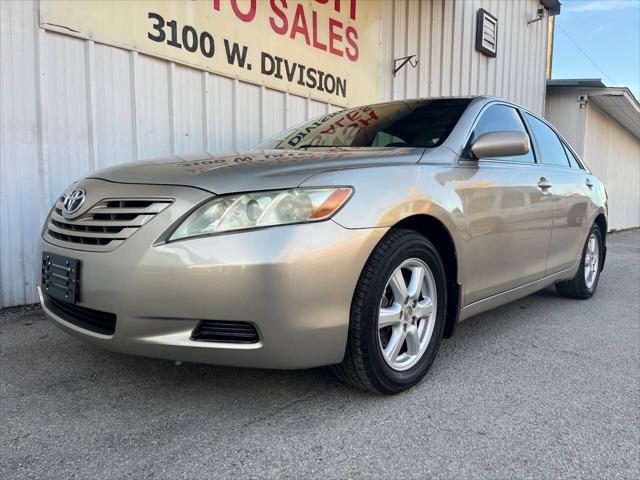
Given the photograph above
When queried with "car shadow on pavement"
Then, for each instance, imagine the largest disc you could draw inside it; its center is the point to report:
(57, 364)
(140, 377)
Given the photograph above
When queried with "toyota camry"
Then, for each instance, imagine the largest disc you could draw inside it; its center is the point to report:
(358, 239)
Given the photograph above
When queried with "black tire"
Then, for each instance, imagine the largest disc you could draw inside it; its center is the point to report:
(364, 365)
(577, 286)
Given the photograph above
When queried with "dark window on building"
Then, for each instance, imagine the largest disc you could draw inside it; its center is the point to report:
(549, 145)
(502, 118)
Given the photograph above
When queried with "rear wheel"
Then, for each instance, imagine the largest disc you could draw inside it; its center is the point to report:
(397, 315)
(584, 284)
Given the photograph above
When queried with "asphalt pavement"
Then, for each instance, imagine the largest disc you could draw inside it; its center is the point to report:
(545, 387)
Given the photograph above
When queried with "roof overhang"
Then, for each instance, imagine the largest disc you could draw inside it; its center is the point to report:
(577, 83)
(552, 5)
(617, 102)
(621, 105)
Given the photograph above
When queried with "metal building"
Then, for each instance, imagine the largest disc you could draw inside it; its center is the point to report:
(603, 125)
(81, 89)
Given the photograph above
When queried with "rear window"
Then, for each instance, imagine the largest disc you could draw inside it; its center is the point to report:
(412, 123)
(548, 143)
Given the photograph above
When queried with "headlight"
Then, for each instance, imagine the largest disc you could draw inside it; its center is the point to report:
(262, 209)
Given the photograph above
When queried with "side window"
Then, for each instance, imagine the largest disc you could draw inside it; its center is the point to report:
(548, 143)
(502, 118)
(573, 160)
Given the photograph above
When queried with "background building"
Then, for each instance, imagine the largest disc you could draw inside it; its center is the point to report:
(603, 125)
(86, 85)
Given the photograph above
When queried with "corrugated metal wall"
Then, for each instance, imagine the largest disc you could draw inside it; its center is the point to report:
(70, 106)
(613, 154)
(442, 35)
(609, 150)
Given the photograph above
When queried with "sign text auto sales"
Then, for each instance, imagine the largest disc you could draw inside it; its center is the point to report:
(325, 49)
(340, 41)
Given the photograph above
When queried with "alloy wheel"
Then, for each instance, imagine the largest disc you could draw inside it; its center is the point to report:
(407, 314)
(591, 261)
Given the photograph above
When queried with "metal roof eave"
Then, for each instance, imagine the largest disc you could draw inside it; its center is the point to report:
(577, 82)
(617, 102)
(621, 105)
(552, 5)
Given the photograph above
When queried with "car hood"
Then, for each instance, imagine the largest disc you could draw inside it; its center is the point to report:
(253, 170)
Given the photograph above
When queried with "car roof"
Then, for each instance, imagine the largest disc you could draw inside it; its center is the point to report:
(475, 98)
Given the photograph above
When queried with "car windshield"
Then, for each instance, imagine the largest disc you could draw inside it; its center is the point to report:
(411, 123)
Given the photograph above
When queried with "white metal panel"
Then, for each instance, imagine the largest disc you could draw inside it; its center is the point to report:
(448, 59)
(476, 58)
(386, 50)
(463, 35)
(613, 153)
(248, 115)
(435, 54)
(413, 33)
(621, 105)
(400, 48)
(273, 112)
(21, 194)
(65, 133)
(296, 110)
(154, 123)
(458, 17)
(221, 93)
(188, 110)
(317, 108)
(501, 12)
(113, 112)
(610, 151)
(491, 67)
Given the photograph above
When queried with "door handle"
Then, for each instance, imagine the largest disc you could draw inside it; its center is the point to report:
(588, 183)
(543, 184)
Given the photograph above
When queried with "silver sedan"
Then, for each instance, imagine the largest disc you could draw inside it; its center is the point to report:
(358, 240)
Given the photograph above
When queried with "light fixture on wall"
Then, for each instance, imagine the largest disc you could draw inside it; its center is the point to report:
(486, 33)
(582, 101)
(411, 60)
(539, 16)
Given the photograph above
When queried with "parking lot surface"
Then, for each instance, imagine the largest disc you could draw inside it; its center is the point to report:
(545, 387)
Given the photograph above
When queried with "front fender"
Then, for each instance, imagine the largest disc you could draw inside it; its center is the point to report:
(386, 195)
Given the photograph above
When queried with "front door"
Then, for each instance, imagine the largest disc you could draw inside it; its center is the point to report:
(509, 212)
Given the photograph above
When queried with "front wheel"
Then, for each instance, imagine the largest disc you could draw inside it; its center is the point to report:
(397, 315)
(584, 284)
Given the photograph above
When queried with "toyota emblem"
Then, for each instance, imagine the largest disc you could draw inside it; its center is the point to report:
(73, 201)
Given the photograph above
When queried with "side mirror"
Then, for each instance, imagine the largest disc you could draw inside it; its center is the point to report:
(500, 144)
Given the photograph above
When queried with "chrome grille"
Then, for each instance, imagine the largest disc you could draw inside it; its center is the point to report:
(104, 226)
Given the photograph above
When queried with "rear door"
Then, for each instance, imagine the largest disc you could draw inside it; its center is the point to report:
(509, 214)
(573, 210)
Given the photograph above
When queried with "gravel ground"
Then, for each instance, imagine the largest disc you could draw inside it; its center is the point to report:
(542, 388)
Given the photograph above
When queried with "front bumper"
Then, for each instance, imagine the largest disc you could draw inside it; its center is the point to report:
(294, 283)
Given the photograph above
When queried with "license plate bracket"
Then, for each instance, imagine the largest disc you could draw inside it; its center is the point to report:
(61, 277)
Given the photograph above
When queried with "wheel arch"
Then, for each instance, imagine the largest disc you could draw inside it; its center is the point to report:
(439, 235)
(601, 221)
